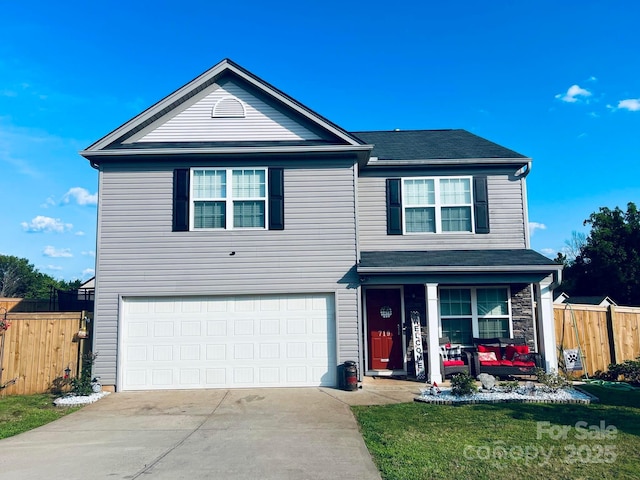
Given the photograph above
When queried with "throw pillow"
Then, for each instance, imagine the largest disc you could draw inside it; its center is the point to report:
(491, 348)
(511, 350)
(522, 357)
(487, 356)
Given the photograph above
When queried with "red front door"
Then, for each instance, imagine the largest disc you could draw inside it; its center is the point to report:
(384, 320)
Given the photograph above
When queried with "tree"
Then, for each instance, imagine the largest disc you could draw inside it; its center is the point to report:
(573, 246)
(609, 261)
(18, 278)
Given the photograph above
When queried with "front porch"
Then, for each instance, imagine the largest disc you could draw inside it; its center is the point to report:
(410, 305)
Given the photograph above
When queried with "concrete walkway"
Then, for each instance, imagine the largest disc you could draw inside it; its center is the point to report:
(299, 433)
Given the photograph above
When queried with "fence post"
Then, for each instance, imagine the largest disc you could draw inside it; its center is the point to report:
(611, 314)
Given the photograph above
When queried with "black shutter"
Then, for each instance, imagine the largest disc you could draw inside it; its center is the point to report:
(394, 206)
(181, 200)
(481, 204)
(276, 199)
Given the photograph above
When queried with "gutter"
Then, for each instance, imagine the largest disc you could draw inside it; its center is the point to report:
(94, 156)
(377, 162)
(464, 268)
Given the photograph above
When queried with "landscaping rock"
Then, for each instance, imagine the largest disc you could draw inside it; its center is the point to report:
(488, 381)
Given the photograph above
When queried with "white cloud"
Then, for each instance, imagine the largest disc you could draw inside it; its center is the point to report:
(54, 267)
(50, 251)
(49, 202)
(81, 196)
(533, 226)
(89, 253)
(80, 233)
(592, 79)
(574, 93)
(631, 104)
(88, 273)
(46, 224)
(549, 252)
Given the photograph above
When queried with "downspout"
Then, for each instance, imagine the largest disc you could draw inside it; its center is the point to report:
(522, 173)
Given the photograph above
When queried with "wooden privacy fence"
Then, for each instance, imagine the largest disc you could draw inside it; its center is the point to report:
(37, 348)
(605, 335)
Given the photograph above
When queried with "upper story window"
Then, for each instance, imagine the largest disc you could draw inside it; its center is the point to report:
(434, 205)
(437, 205)
(229, 198)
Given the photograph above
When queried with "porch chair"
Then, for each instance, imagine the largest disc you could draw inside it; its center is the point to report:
(453, 359)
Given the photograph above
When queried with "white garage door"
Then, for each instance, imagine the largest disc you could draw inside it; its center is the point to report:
(222, 342)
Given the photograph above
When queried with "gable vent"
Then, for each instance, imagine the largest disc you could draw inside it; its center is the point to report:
(228, 108)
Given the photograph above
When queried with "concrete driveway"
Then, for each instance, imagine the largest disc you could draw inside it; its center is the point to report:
(299, 433)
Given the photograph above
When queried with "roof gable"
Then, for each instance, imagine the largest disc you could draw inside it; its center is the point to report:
(187, 121)
(248, 118)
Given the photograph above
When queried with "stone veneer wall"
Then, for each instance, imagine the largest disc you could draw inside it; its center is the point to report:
(522, 314)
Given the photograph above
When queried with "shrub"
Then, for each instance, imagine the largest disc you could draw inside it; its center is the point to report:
(463, 384)
(629, 370)
(82, 385)
(606, 376)
(509, 387)
(552, 381)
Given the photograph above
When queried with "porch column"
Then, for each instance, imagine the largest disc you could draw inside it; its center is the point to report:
(433, 332)
(546, 325)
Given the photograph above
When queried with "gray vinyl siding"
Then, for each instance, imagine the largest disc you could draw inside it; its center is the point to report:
(139, 255)
(506, 216)
(194, 122)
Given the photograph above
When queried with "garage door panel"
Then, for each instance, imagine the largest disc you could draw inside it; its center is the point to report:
(162, 329)
(162, 353)
(216, 328)
(228, 342)
(191, 329)
(243, 327)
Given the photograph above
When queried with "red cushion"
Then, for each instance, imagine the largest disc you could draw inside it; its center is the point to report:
(452, 363)
(518, 363)
(506, 363)
(491, 348)
(491, 363)
(512, 349)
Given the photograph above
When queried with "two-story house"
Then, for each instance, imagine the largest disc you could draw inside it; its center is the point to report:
(245, 240)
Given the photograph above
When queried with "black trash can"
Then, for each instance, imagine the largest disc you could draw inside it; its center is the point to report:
(350, 371)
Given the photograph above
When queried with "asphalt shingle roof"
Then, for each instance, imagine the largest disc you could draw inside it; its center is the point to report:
(432, 144)
(456, 258)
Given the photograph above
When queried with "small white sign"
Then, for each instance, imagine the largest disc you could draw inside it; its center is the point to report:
(572, 360)
(418, 352)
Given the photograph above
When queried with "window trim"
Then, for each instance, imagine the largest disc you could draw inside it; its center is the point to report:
(475, 327)
(229, 199)
(438, 205)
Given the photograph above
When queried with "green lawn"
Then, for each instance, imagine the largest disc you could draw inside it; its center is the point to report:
(19, 413)
(507, 441)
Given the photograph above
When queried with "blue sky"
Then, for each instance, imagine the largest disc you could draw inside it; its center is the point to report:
(556, 81)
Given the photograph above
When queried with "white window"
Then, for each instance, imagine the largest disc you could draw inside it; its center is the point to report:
(435, 205)
(482, 312)
(228, 198)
